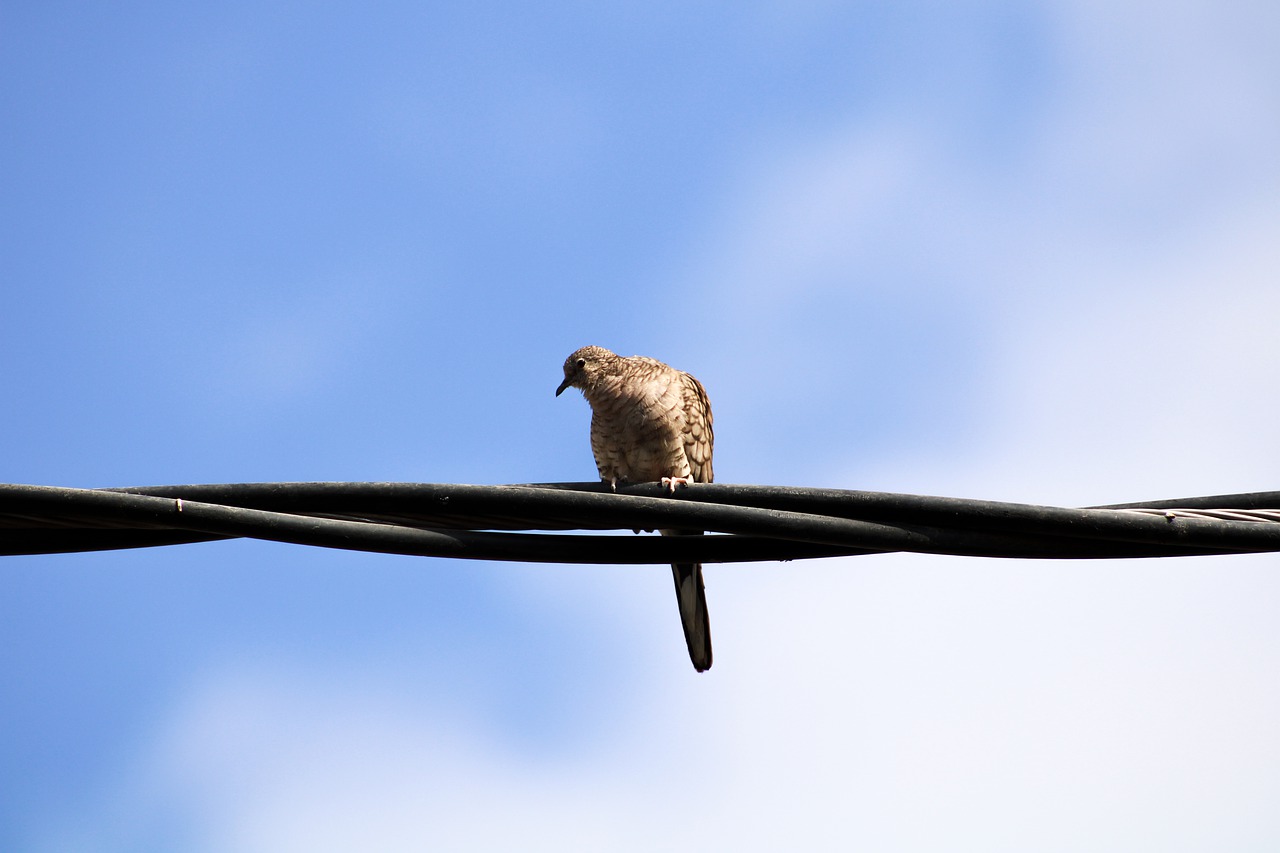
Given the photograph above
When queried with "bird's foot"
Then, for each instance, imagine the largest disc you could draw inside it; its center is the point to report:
(670, 483)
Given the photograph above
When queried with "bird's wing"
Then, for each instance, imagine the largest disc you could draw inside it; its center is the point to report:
(698, 435)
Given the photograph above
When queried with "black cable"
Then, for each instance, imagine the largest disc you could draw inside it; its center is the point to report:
(760, 522)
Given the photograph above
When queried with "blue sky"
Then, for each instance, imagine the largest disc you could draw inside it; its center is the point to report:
(999, 250)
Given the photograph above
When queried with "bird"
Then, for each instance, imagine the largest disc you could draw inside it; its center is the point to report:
(651, 422)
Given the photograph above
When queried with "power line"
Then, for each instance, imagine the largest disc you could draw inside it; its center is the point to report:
(753, 523)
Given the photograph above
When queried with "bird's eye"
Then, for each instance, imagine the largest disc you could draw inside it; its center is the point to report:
(582, 362)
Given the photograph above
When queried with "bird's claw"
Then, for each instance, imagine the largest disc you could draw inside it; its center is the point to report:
(670, 483)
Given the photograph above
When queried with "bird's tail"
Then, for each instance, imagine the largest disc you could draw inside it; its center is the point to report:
(691, 595)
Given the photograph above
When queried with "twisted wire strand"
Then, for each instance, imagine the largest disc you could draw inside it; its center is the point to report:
(1257, 515)
(749, 522)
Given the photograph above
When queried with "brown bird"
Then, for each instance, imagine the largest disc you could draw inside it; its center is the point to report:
(651, 422)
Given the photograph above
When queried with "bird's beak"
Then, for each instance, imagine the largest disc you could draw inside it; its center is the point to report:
(563, 385)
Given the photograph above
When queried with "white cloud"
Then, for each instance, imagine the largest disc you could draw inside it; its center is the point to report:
(899, 702)
(268, 760)
(814, 211)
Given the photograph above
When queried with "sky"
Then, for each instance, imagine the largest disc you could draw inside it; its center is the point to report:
(1011, 251)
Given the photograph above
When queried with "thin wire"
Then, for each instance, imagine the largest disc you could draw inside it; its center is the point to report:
(1257, 515)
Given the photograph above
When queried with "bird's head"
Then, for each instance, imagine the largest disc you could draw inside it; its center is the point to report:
(584, 367)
